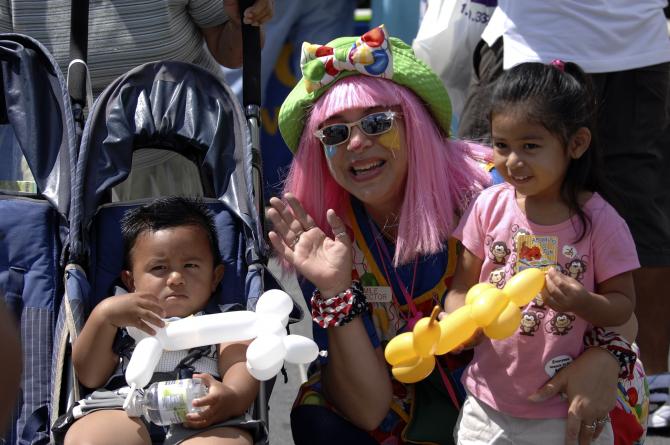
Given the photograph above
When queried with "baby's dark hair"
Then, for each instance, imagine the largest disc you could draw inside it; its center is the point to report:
(166, 213)
(559, 97)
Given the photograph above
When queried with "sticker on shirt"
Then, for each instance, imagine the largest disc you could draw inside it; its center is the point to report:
(569, 251)
(378, 294)
(556, 364)
(560, 323)
(530, 322)
(540, 252)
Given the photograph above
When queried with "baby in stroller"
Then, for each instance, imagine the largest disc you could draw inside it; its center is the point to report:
(171, 267)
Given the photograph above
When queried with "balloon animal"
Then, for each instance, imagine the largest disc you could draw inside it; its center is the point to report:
(496, 311)
(265, 355)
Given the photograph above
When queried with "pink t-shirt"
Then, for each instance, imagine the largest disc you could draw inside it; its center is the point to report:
(503, 373)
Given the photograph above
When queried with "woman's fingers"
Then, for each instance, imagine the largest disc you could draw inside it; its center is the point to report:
(338, 227)
(586, 433)
(289, 236)
(280, 246)
(298, 211)
(279, 225)
(599, 429)
(284, 221)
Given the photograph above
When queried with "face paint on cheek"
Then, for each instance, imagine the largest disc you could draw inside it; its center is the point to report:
(390, 140)
(330, 150)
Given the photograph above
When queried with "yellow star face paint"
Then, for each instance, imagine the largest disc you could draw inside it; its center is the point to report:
(390, 139)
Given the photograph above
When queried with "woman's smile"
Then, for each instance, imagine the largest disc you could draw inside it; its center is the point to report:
(367, 169)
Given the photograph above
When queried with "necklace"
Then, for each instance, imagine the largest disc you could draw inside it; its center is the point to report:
(390, 228)
(408, 295)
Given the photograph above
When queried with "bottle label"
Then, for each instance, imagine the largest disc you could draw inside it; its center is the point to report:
(173, 401)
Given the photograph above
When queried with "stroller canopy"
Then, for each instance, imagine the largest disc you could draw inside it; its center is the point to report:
(172, 105)
(35, 113)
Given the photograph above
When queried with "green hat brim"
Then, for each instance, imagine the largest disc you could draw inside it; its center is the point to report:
(408, 71)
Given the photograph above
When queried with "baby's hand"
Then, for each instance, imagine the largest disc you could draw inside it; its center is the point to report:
(135, 309)
(213, 403)
(563, 293)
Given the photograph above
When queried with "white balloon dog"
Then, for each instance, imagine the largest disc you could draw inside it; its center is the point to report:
(265, 354)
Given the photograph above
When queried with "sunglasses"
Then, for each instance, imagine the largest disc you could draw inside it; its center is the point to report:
(372, 125)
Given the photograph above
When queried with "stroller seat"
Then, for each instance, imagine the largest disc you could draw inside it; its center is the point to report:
(38, 151)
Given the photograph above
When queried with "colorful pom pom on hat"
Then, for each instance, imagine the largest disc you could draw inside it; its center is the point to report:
(373, 54)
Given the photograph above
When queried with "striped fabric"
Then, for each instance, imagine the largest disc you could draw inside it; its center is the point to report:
(122, 33)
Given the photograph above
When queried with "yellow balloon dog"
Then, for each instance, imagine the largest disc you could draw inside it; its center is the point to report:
(412, 354)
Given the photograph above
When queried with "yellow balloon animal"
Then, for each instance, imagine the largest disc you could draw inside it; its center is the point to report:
(412, 354)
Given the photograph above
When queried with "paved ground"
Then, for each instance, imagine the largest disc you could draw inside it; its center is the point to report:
(651, 440)
(283, 394)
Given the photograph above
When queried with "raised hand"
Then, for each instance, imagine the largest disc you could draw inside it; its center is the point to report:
(135, 309)
(324, 261)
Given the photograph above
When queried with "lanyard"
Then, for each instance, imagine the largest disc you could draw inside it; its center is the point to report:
(384, 256)
(416, 314)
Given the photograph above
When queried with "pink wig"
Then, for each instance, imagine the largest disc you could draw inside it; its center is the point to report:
(442, 177)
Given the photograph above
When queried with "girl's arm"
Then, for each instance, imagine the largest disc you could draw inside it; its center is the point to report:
(611, 305)
(468, 269)
(356, 379)
(628, 330)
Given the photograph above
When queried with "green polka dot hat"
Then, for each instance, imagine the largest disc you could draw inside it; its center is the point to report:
(373, 54)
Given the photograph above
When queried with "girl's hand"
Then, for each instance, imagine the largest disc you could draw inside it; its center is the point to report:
(135, 309)
(590, 385)
(470, 343)
(214, 403)
(563, 293)
(324, 261)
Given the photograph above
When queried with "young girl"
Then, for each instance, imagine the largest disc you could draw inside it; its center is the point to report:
(547, 214)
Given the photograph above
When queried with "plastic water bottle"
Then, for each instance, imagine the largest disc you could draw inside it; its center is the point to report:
(165, 403)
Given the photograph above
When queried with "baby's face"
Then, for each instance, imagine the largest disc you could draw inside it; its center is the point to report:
(175, 265)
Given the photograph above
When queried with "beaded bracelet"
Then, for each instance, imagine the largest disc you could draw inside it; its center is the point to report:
(340, 309)
(616, 345)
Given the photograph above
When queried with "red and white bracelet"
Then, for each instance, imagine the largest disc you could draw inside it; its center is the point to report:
(616, 345)
(340, 309)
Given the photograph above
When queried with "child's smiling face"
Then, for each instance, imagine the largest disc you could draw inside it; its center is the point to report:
(528, 156)
(177, 266)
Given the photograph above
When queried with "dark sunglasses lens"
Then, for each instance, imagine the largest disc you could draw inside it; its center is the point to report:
(377, 123)
(335, 134)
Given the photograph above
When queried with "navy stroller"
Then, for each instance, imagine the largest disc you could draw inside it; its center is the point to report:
(176, 108)
(38, 150)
